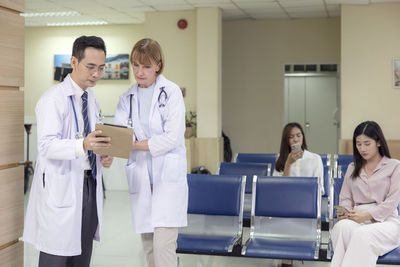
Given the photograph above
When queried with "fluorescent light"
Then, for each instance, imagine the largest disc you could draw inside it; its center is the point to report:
(52, 14)
(82, 23)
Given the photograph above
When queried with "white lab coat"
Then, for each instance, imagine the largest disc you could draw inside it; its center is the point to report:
(166, 206)
(54, 214)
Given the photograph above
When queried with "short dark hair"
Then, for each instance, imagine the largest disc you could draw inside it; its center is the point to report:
(372, 130)
(285, 146)
(83, 42)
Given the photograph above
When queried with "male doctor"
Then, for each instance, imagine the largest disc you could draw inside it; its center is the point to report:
(65, 206)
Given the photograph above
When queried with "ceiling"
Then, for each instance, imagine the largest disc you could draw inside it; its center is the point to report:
(132, 11)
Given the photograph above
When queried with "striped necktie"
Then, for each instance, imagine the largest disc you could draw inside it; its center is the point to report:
(91, 155)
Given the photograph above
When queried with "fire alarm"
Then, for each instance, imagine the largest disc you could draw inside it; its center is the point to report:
(182, 24)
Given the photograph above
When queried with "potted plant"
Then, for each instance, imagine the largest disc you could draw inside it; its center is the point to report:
(190, 124)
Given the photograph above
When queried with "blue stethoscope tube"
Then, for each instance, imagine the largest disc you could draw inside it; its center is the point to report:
(78, 135)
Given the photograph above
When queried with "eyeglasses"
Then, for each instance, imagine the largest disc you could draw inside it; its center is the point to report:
(92, 69)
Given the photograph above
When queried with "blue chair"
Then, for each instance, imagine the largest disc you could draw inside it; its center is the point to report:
(214, 214)
(326, 159)
(248, 169)
(286, 218)
(341, 162)
(257, 158)
(325, 196)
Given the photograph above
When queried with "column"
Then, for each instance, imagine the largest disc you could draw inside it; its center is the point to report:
(209, 144)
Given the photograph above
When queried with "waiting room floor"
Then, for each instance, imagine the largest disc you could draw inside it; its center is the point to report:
(120, 247)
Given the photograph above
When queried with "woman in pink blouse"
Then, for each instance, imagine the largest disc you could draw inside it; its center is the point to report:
(371, 193)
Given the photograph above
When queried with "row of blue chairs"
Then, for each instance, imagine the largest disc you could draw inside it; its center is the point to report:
(280, 227)
(263, 164)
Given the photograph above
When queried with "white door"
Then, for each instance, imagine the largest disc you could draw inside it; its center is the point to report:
(312, 101)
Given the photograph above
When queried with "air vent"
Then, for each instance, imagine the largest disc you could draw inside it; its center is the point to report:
(310, 68)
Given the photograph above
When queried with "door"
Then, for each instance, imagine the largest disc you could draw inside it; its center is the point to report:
(312, 101)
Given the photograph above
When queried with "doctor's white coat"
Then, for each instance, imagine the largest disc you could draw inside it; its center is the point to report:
(54, 214)
(166, 206)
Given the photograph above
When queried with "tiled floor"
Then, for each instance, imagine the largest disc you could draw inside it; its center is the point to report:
(120, 247)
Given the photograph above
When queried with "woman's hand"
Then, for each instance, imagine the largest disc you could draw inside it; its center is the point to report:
(106, 161)
(341, 216)
(293, 156)
(359, 216)
(141, 145)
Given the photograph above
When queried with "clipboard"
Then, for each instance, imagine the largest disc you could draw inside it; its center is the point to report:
(121, 140)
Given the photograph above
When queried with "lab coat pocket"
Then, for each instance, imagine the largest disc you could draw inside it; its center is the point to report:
(133, 178)
(174, 169)
(61, 190)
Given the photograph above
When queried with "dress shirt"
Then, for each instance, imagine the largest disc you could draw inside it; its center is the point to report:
(309, 165)
(79, 151)
(382, 188)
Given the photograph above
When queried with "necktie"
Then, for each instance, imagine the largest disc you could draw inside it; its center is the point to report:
(91, 155)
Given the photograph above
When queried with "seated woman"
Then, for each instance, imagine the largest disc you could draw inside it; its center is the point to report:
(295, 160)
(370, 192)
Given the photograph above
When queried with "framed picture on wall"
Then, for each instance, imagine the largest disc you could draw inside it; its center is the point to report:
(396, 73)
(117, 67)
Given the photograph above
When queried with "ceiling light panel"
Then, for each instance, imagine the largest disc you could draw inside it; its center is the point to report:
(300, 3)
(306, 9)
(253, 1)
(138, 9)
(125, 21)
(209, 2)
(270, 16)
(308, 14)
(257, 5)
(125, 3)
(220, 5)
(165, 2)
(163, 7)
(333, 2)
(355, 2)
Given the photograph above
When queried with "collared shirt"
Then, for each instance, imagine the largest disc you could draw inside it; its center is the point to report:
(309, 165)
(79, 151)
(382, 188)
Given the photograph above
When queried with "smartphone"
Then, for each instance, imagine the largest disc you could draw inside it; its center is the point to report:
(296, 147)
(341, 210)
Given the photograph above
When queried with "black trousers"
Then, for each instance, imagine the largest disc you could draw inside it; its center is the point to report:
(89, 227)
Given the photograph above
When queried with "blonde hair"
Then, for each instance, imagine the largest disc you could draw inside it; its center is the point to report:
(147, 51)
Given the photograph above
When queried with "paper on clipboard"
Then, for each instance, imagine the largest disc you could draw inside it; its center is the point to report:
(121, 140)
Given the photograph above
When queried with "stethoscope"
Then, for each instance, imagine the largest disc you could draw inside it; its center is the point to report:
(162, 102)
(78, 134)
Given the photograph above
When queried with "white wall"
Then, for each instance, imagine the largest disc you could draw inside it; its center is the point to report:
(179, 47)
(370, 40)
(253, 58)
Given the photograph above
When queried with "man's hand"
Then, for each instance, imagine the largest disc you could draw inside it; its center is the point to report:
(91, 141)
(106, 161)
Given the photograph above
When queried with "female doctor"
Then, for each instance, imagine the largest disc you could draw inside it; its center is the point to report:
(156, 169)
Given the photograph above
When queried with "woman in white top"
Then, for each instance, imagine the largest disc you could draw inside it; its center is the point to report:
(295, 160)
